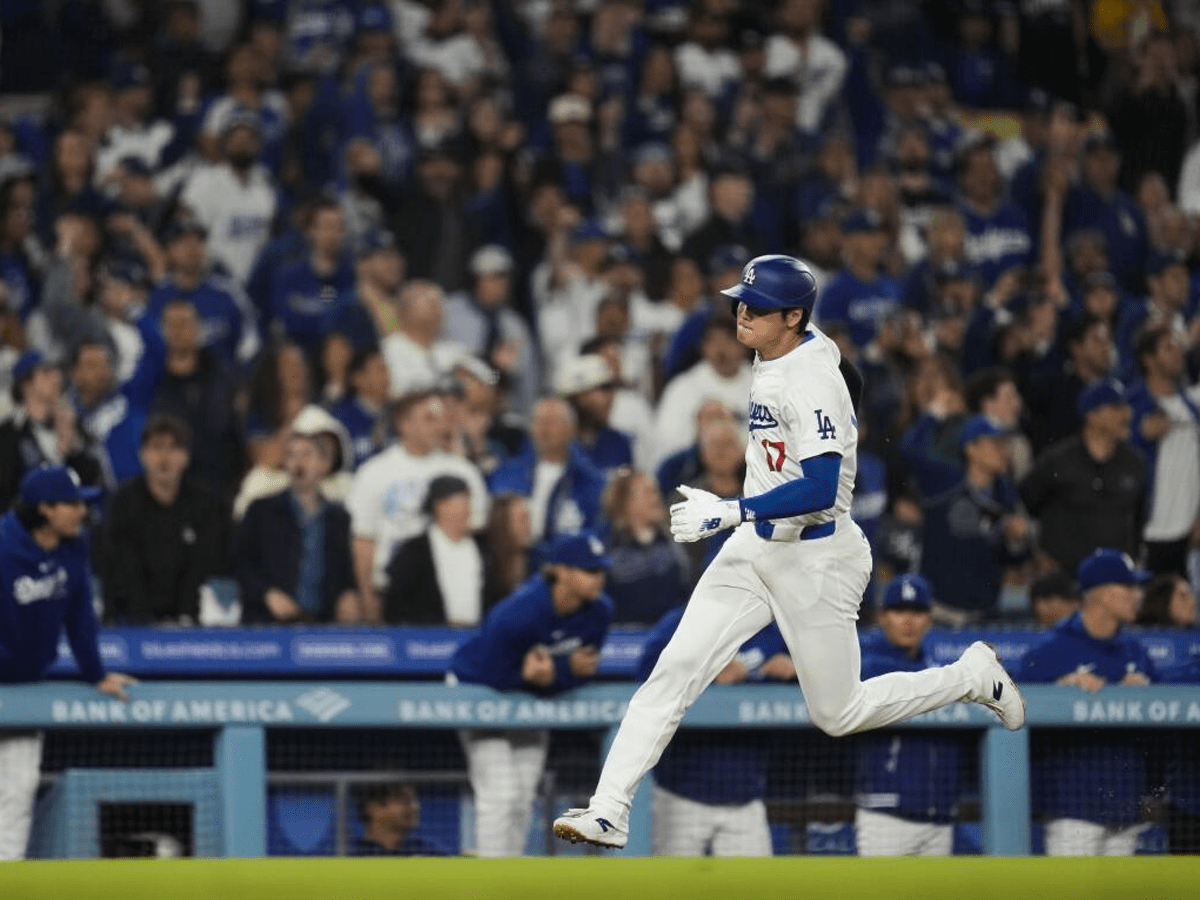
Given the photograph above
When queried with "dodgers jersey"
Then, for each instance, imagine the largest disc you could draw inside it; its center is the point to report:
(800, 408)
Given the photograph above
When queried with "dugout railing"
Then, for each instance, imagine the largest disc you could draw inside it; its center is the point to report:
(236, 722)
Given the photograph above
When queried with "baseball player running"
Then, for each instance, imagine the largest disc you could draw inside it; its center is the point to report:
(44, 585)
(796, 558)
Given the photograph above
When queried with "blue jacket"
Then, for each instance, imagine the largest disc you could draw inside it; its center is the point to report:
(300, 299)
(368, 433)
(494, 656)
(611, 450)
(997, 242)
(714, 766)
(221, 307)
(859, 305)
(646, 580)
(1122, 223)
(908, 774)
(40, 593)
(575, 501)
(1100, 777)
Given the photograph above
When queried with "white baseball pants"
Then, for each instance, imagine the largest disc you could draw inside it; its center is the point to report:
(880, 834)
(684, 827)
(20, 768)
(813, 590)
(504, 768)
(1078, 837)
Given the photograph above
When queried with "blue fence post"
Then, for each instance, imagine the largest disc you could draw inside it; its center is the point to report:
(641, 818)
(1005, 787)
(241, 760)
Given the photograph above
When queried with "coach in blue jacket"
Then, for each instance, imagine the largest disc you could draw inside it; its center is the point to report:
(1089, 789)
(44, 586)
(545, 637)
(709, 785)
(908, 782)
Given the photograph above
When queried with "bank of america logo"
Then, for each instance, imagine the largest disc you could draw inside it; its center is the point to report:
(323, 703)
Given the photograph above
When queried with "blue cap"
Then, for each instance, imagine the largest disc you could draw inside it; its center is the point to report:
(54, 484)
(907, 592)
(376, 241)
(373, 17)
(122, 268)
(1107, 566)
(1102, 393)
(582, 551)
(978, 427)
(1157, 261)
(25, 364)
(861, 220)
(652, 151)
(589, 230)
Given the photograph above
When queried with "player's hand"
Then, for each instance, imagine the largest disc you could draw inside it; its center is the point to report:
(114, 684)
(734, 673)
(282, 607)
(1088, 681)
(584, 662)
(1135, 679)
(779, 668)
(702, 514)
(538, 667)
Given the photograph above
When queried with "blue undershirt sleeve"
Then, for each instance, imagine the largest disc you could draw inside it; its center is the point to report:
(814, 491)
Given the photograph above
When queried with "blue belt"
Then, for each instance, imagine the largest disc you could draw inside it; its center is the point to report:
(766, 529)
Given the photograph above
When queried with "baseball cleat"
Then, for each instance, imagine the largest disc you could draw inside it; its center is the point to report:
(586, 826)
(994, 687)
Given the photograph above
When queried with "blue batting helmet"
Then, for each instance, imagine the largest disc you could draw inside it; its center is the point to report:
(775, 282)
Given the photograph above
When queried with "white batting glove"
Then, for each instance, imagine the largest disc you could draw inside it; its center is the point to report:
(702, 514)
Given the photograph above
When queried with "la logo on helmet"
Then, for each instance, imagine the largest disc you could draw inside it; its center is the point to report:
(748, 277)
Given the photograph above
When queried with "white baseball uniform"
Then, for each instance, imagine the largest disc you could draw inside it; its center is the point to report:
(20, 769)
(806, 572)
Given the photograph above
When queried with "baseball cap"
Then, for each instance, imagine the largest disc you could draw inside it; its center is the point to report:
(652, 151)
(1107, 566)
(25, 364)
(376, 241)
(242, 118)
(583, 373)
(583, 550)
(978, 427)
(373, 17)
(491, 259)
(54, 484)
(589, 230)
(569, 108)
(907, 592)
(130, 271)
(862, 220)
(1157, 262)
(1102, 393)
(183, 226)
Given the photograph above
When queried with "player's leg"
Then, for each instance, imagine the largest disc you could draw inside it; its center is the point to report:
(20, 767)
(529, 749)
(682, 827)
(1122, 841)
(879, 834)
(725, 610)
(744, 831)
(936, 840)
(491, 771)
(1074, 837)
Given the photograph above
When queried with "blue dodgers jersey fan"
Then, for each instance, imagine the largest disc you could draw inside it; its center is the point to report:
(714, 766)
(527, 618)
(41, 591)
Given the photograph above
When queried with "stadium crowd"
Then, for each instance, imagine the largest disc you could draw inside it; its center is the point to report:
(362, 304)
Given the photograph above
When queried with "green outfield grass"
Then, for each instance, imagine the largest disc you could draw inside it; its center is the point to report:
(970, 878)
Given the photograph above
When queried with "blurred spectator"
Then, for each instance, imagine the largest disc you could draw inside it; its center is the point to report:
(43, 428)
(723, 373)
(371, 312)
(198, 388)
(709, 787)
(483, 432)
(227, 319)
(545, 637)
(292, 549)
(998, 234)
(729, 222)
(165, 534)
(303, 293)
(859, 296)
(1053, 396)
(280, 387)
(907, 784)
(390, 813)
(1169, 303)
(119, 312)
(1168, 602)
(553, 471)
(362, 411)
(1052, 598)
(1089, 490)
(931, 446)
(650, 571)
(814, 63)
(704, 59)
(509, 541)
(436, 578)
(721, 446)
(386, 497)
(1166, 428)
(587, 383)
(134, 130)
(248, 96)
(431, 225)
(976, 529)
(235, 199)
(1090, 792)
(484, 321)
(632, 412)
(1149, 116)
(417, 355)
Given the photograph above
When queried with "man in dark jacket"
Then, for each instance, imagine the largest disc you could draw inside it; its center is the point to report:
(292, 549)
(165, 535)
(390, 814)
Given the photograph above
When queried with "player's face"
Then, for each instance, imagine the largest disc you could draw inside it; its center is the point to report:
(65, 519)
(1122, 601)
(582, 585)
(905, 628)
(758, 329)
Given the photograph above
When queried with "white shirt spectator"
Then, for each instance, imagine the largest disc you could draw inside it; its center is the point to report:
(818, 74)
(458, 567)
(675, 425)
(459, 58)
(238, 216)
(1175, 493)
(146, 142)
(412, 367)
(387, 494)
(710, 70)
(466, 324)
